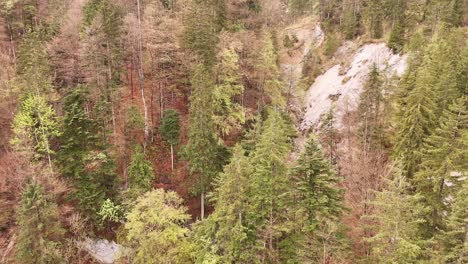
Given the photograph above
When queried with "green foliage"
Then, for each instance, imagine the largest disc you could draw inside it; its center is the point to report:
(110, 212)
(398, 217)
(155, 228)
(351, 21)
(374, 18)
(170, 126)
(319, 206)
(456, 244)
(140, 172)
(300, 7)
(316, 188)
(228, 115)
(396, 39)
(224, 235)
(203, 22)
(427, 91)
(95, 183)
(134, 123)
(206, 157)
(444, 153)
(33, 66)
(269, 74)
(370, 110)
(331, 44)
(101, 35)
(79, 133)
(269, 186)
(40, 233)
(35, 125)
(83, 157)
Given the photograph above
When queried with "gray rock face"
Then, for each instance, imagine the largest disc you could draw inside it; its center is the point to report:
(340, 87)
(102, 250)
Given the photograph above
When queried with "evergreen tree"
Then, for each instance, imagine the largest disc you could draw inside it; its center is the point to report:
(269, 82)
(329, 135)
(204, 20)
(350, 19)
(456, 236)
(170, 130)
(206, 157)
(375, 18)
(398, 217)
(396, 39)
(224, 235)
(134, 125)
(269, 186)
(40, 233)
(444, 153)
(83, 156)
(319, 205)
(140, 173)
(78, 133)
(427, 93)
(370, 112)
(228, 114)
(34, 69)
(155, 228)
(35, 125)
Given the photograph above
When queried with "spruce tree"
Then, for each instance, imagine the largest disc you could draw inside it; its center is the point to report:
(228, 114)
(370, 111)
(170, 130)
(204, 20)
(40, 233)
(156, 230)
(375, 18)
(398, 217)
(456, 237)
(83, 156)
(206, 157)
(269, 75)
(269, 186)
(224, 235)
(140, 173)
(318, 202)
(444, 154)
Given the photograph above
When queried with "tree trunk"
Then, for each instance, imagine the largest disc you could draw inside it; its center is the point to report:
(202, 207)
(140, 70)
(172, 157)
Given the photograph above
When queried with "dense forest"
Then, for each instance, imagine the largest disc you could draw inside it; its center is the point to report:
(234, 131)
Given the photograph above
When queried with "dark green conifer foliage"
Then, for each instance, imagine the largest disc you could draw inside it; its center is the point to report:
(427, 91)
(170, 126)
(318, 202)
(397, 219)
(140, 173)
(204, 20)
(224, 235)
(40, 233)
(79, 133)
(455, 238)
(316, 187)
(170, 130)
(351, 20)
(269, 189)
(206, 157)
(396, 39)
(443, 156)
(375, 18)
(83, 156)
(370, 111)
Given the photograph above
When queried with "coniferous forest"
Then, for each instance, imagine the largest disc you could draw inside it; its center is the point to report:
(234, 131)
